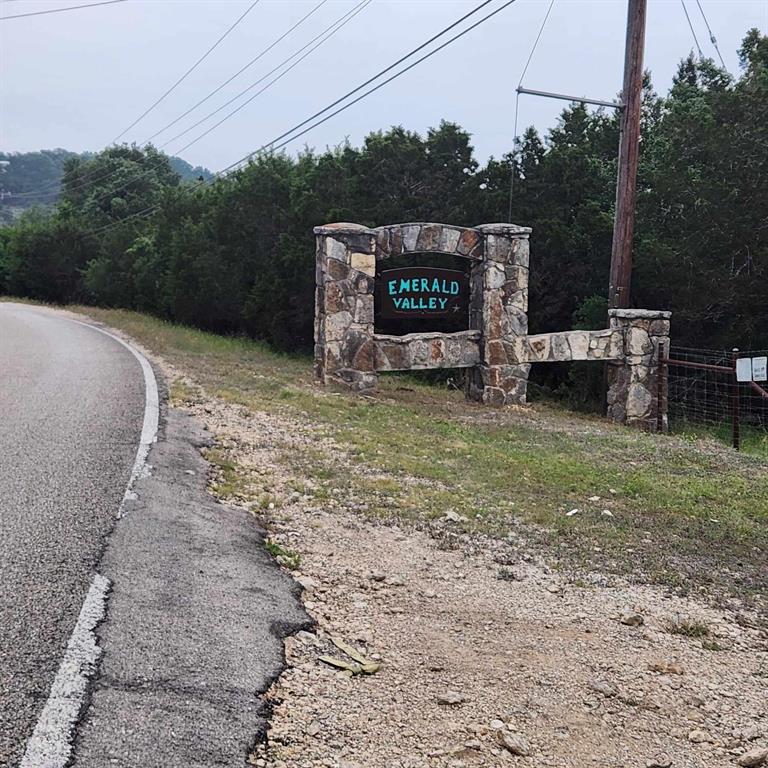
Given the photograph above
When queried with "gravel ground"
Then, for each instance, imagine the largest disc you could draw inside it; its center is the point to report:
(483, 662)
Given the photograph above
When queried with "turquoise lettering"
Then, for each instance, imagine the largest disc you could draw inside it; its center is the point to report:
(392, 285)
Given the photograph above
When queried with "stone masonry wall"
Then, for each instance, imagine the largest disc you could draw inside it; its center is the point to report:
(633, 379)
(349, 353)
(496, 349)
(345, 270)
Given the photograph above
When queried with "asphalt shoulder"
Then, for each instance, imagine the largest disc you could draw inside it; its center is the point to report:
(195, 623)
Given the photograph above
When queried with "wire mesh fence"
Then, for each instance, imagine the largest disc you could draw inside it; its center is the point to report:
(702, 389)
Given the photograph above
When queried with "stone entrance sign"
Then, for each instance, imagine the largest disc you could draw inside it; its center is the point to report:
(353, 278)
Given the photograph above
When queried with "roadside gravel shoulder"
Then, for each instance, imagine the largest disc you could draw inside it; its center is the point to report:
(484, 661)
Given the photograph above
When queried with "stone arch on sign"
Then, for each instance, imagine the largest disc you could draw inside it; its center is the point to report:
(349, 353)
(496, 348)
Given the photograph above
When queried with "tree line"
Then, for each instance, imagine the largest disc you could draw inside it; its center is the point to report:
(237, 255)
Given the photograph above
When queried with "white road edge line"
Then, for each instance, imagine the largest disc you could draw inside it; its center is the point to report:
(50, 745)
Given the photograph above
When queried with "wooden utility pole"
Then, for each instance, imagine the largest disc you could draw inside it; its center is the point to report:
(629, 150)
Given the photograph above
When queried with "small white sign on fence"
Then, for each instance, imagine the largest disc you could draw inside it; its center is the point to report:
(744, 369)
(760, 369)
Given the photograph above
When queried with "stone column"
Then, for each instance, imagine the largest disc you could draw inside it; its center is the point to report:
(633, 382)
(499, 309)
(344, 283)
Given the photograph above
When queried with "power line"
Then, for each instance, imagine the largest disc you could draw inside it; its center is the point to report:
(273, 145)
(240, 71)
(536, 43)
(350, 93)
(351, 13)
(690, 24)
(251, 98)
(712, 37)
(517, 107)
(377, 76)
(188, 72)
(60, 10)
(326, 35)
(97, 175)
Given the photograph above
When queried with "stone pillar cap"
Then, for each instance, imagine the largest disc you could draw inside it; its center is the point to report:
(341, 226)
(503, 228)
(640, 314)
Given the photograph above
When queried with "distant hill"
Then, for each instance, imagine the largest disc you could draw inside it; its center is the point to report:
(33, 178)
(187, 172)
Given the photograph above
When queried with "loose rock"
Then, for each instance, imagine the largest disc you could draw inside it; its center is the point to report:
(451, 698)
(513, 743)
(601, 686)
(631, 619)
(754, 757)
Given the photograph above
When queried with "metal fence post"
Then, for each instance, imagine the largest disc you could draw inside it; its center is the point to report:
(735, 405)
(660, 384)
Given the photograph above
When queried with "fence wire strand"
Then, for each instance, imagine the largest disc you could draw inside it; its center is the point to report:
(700, 396)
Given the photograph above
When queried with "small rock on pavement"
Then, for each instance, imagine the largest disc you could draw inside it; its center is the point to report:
(451, 698)
(754, 757)
(699, 737)
(631, 619)
(660, 761)
(308, 584)
(513, 743)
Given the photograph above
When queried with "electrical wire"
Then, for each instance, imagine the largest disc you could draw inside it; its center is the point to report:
(351, 13)
(97, 175)
(712, 37)
(60, 10)
(379, 74)
(326, 35)
(274, 145)
(188, 72)
(354, 90)
(515, 142)
(251, 98)
(536, 43)
(239, 71)
(690, 25)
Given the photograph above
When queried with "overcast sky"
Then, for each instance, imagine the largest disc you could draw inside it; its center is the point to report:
(77, 79)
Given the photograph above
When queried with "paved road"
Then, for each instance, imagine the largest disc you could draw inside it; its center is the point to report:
(71, 409)
(197, 609)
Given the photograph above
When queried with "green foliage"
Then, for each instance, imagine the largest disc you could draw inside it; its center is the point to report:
(237, 255)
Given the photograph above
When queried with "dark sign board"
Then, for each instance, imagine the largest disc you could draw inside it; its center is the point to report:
(412, 292)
